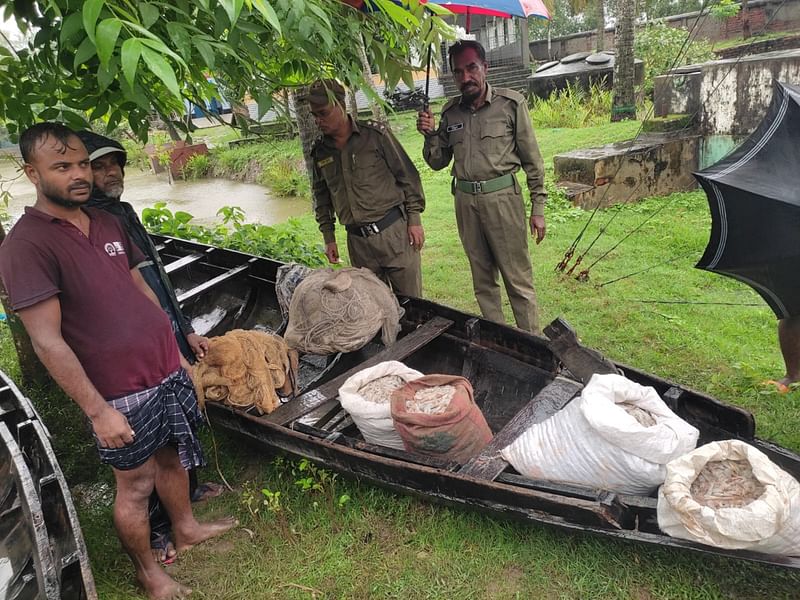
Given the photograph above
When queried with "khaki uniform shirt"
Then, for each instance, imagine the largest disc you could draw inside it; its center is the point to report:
(366, 179)
(489, 142)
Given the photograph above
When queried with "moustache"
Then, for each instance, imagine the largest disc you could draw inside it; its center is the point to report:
(80, 186)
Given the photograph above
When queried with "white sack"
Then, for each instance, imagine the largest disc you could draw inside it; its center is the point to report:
(594, 442)
(769, 524)
(374, 420)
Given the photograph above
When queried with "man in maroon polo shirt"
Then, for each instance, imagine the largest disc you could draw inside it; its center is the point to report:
(71, 276)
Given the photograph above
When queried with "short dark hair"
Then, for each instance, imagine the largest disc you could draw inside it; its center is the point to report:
(33, 136)
(462, 45)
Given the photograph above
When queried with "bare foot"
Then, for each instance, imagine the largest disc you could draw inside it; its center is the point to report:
(160, 586)
(203, 532)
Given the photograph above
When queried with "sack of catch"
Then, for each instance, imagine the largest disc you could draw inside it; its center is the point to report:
(437, 415)
(341, 311)
(618, 435)
(366, 396)
(730, 495)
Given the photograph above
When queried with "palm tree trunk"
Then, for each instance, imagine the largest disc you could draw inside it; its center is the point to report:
(600, 43)
(378, 113)
(307, 129)
(624, 105)
(745, 20)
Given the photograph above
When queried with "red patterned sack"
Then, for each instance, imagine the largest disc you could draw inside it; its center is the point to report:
(458, 433)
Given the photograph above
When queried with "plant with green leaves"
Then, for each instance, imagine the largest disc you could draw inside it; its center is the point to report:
(662, 48)
(119, 61)
(725, 9)
(197, 166)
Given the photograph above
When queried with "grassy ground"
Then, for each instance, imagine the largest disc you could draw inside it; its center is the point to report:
(351, 540)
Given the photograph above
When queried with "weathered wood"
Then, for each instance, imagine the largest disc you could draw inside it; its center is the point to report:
(489, 463)
(319, 398)
(185, 261)
(581, 361)
(215, 282)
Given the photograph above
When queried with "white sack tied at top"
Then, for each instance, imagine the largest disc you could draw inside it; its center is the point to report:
(594, 441)
(770, 523)
(374, 419)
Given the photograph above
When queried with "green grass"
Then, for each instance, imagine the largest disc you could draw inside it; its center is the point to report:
(383, 545)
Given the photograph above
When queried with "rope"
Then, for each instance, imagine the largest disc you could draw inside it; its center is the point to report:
(699, 303)
(669, 260)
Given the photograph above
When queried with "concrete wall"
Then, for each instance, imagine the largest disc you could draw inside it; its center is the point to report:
(733, 94)
(785, 15)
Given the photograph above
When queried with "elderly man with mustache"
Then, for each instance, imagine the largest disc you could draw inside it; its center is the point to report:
(487, 134)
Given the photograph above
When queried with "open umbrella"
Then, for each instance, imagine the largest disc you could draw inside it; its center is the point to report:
(754, 196)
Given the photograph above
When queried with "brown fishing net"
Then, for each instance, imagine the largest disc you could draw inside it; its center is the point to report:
(244, 368)
(341, 311)
(726, 484)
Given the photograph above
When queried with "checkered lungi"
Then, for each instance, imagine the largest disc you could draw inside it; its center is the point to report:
(161, 415)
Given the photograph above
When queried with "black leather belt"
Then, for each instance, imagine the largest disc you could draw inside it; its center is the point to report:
(368, 229)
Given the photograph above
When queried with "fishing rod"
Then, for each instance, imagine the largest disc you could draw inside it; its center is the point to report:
(702, 303)
(571, 250)
(584, 275)
(651, 267)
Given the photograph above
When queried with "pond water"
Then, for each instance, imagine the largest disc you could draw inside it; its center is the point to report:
(202, 198)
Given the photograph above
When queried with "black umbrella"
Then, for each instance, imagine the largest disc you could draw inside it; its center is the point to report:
(754, 196)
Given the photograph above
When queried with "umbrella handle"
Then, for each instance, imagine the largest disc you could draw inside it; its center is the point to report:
(426, 103)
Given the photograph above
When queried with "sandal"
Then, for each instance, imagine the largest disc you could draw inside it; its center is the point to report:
(206, 491)
(161, 546)
(781, 388)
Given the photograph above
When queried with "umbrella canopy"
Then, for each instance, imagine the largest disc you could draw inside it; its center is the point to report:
(497, 8)
(754, 197)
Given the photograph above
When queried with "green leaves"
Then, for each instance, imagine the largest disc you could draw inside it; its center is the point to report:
(91, 12)
(131, 51)
(106, 39)
(161, 68)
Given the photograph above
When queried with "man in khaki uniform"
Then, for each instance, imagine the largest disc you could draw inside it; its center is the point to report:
(364, 177)
(487, 132)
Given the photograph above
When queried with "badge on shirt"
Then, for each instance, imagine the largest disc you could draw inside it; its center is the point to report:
(114, 248)
(325, 161)
(455, 127)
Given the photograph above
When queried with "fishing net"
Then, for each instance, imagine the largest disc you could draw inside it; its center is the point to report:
(729, 494)
(436, 415)
(618, 435)
(366, 397)
(244, 368)
(341, 311)
(287, 279)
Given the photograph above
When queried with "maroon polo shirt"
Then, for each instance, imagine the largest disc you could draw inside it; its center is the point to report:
(121, 338)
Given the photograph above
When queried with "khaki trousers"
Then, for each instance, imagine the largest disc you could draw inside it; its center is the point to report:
(494, 232)
(389, 255)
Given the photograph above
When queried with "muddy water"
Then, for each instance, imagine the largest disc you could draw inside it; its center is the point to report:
(202, 198)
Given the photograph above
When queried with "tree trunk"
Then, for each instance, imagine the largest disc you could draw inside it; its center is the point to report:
(377, 110)
(601, 27)
(351, 100)
(306, 128)
(624, 105)
(33, 371)
(745, 20)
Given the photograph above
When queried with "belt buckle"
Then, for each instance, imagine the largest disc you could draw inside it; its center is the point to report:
(370, 229)
(477, 187)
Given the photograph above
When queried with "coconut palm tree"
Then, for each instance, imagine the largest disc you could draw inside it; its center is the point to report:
(623, 105)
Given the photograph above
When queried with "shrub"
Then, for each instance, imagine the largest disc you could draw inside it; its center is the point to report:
(661, 47)
(197, 166)
(572, 108)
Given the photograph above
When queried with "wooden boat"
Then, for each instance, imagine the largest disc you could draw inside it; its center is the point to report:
(518, 378)
(42, 553)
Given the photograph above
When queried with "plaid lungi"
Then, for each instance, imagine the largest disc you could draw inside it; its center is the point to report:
(161, 415)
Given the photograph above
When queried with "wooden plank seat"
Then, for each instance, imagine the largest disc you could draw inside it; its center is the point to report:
(489, 463)
(319, 402)
(185, 261)
(214, 282)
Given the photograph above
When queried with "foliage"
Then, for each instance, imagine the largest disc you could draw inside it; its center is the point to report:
(119, 60)
(573, 107)
(724, 9)
(662, 48)
(197, 166)
(277, 164)
(282, 242)
(566, 19)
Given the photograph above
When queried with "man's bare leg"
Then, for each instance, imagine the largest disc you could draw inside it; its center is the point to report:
(172, 485)
(789, 338)
(133, 527)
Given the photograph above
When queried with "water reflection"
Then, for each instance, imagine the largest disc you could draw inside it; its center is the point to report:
(202, 198)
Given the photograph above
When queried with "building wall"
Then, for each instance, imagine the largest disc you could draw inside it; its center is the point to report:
(785, 15)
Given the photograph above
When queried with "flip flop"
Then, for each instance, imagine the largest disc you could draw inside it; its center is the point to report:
(206, 491)
(161, 543)
(781, 388)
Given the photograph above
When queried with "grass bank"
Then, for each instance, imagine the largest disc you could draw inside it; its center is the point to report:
(344, 539)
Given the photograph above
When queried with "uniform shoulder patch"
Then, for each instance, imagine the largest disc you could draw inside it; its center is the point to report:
(510, 94)
(373, 124)
(451, 103)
